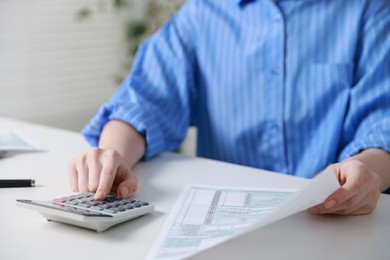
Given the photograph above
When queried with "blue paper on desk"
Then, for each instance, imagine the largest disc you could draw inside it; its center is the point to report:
(12, 141)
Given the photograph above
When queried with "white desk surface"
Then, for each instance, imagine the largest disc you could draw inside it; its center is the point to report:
(24, 234)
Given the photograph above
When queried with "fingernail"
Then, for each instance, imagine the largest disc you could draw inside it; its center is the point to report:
(99, 195)
(330, 204)
(313, 211)
(124, 191)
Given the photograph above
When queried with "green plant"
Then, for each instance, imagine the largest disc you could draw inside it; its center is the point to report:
(156, 13)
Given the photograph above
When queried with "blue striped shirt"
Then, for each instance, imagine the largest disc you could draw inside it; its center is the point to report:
(287, 86)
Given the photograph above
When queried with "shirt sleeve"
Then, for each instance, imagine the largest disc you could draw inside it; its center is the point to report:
(155, 98)
(367, 123)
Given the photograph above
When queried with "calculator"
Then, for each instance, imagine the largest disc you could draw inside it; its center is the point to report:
(83, 211)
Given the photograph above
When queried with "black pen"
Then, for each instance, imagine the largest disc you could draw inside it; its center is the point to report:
(16, 183)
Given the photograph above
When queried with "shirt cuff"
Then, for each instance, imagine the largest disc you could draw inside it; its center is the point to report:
(377, 140)
(142, 120)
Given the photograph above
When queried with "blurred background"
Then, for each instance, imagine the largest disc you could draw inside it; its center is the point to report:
(60, 60)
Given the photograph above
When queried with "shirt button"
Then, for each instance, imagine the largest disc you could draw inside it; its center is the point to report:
(277, 17)
(275, 71)
(274, 128)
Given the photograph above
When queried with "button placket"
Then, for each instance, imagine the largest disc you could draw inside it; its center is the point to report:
(276, 75)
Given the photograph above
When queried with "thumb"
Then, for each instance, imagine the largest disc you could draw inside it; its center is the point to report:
(127, 187)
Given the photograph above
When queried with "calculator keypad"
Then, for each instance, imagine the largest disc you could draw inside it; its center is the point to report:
(110, 205)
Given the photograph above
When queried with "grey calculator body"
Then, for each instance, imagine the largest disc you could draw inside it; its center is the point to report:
(87, 213)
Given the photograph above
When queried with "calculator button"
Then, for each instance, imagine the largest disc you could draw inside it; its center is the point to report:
(84, 205)
(142, 203)
(58, 201)
(110, 211)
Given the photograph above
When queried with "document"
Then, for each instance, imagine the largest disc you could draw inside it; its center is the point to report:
(205, 216)
(15, 141)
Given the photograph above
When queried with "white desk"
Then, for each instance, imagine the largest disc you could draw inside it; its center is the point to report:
(24, 234)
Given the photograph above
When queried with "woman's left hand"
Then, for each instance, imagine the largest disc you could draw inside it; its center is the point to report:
(359, 192)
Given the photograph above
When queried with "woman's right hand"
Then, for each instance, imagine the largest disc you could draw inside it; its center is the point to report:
(102, 171)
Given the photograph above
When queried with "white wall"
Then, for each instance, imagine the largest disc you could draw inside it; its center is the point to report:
(54, 69)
